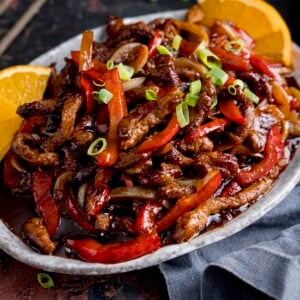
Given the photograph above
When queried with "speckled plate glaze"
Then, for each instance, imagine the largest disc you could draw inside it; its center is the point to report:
(12, 245)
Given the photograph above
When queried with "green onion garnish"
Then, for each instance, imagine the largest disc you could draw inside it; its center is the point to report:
(195, 87)
(45, 280)
(99, 84)
(232, 88)
(208, 58)
(103, 96)
(125, 72)
(163, 50)
(219, 77)
(150, 95)
(191, 99)
(92, 150)
(215, 102)
(110, 65)
(182, 114)
(239, 82)
(234, 46)
(249, 94)
(176, 42)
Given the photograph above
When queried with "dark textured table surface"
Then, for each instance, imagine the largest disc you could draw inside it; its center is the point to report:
(54, 23)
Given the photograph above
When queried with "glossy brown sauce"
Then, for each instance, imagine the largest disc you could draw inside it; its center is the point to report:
(15, 210)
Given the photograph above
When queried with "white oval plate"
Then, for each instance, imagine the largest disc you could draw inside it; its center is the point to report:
(14, 246)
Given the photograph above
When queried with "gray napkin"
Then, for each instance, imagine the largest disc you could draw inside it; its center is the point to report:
(260, 262)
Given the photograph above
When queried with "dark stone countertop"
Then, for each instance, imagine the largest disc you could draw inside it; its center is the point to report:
(56, 22)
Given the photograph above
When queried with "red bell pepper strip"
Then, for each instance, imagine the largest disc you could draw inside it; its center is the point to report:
(187, 48)
(101, 200)
(154, 42)
(90, 102)
(97, 64)
(230, 110)
(261, 64)
(11, 176)
(160, 139)
(146, 217)
(243, 35)
(41, 188)
(230, 60)
(117, 109)
(210, 184)
(86, 51)
(205, 129)
(272, 154)
(95, 75)
(102, 118)
(75, 56)
(31, 123)
(77, 215)
(92, 251)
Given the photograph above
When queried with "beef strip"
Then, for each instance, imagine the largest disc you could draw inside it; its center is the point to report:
(174, 156)
(137, 124)
(37, 233)
(137, 32)
(194, 221)
(158, 177)
(163, 71)
(45, 106)
(21, 146)
(202, 109)
(64, 132)
(201, 144)
(174, 190)
(225, 162)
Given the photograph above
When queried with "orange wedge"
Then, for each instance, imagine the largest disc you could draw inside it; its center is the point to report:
(18, 85)
(259, 19)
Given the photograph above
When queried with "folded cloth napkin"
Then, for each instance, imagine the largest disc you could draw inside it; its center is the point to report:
(260, 262)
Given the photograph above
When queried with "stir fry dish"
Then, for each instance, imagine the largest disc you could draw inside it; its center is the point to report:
(156, 134)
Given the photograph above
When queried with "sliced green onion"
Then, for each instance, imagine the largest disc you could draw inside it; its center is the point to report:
(176, 42)
(215, 102)
(208, 58)
(150, 95)
(219, 77)
(232, 88)
(234, 46)
(125, 72)
(110, 65)
(195, 87)
(99, 84)
(163, 50)
(182, 114)
(45, 280)
(92, 151)
(103, 96)
(191, 99)
(239, 82)
(249, 94)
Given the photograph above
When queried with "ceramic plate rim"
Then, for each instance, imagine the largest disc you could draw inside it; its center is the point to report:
(15, 247)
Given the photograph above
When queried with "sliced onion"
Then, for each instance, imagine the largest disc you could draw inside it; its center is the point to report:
(133, 83)
(16, 165)
(183, 62)
(81, 194)
(196, 30)
(60, 185)
(135, 192)
(137, 51)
